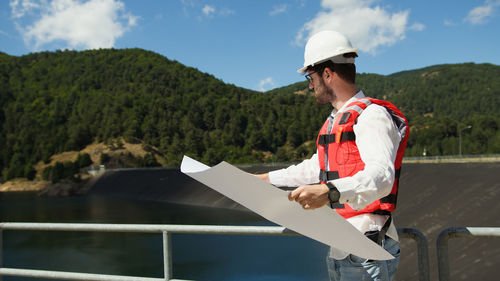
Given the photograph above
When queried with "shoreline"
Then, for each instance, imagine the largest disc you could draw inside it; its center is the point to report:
(23, 185)
(66, 188)
(42, 188)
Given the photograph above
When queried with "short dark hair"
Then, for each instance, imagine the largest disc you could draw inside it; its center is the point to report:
(346, 71)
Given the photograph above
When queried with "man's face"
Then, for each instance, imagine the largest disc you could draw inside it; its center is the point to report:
(322, 93)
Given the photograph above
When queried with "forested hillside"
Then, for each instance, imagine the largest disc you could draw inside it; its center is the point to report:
(59, 101)
(439, 101)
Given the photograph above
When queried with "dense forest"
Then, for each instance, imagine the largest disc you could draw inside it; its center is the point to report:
(440, 103)
(52, 102)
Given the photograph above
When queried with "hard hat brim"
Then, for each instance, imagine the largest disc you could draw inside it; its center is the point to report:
(335, 59)
(303, 69)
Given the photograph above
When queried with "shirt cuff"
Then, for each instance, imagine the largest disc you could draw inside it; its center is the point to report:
(346, 187)
(276, 178)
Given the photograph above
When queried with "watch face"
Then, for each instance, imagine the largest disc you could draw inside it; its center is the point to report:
(333, 194)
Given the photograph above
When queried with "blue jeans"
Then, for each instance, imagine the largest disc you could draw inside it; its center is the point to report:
(354, 268)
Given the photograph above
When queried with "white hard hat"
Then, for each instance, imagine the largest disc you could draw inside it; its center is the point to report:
(327, 45)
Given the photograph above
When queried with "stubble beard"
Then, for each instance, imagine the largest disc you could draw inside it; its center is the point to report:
(323, 94)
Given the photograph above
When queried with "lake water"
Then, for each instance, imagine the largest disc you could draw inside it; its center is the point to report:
(195, 257)
(427, 201)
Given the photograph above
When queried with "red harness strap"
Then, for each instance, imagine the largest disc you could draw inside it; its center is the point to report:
(339, 156)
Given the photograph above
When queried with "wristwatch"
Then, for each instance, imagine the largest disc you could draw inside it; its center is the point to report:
(333, 193)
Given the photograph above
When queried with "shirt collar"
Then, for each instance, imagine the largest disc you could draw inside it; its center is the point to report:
(358, 95)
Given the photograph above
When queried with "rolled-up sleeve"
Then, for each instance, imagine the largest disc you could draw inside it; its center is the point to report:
(306, 172)
(377, 139)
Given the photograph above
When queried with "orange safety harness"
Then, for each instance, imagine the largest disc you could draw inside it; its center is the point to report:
(339, 156)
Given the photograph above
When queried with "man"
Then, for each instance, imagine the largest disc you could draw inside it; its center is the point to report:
(359, 153)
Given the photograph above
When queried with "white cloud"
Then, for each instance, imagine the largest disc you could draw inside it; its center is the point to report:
(188, 3)
(198, 10)
(266, 84)
(301, 4)
(480, 14)
(91, 24)
(278, 10)
(417, 26)
(367, 26)
(448, 22)
(226, 12)
(208, 10)
(21, 7)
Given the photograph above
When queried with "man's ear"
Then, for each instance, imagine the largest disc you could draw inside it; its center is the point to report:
(327, 73)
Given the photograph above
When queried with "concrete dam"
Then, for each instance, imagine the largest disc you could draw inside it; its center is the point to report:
(432, 197)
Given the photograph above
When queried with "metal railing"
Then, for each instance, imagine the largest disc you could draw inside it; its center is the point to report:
(458, 232)
(485, 157)
(166, 231)
(422, 251)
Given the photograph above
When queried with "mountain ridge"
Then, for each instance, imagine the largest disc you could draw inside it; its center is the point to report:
(59, 101)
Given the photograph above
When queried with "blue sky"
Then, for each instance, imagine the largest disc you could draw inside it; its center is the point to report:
(258, 44)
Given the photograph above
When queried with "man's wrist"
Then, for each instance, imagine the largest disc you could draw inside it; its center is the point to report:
(333, 193)
(264, 177)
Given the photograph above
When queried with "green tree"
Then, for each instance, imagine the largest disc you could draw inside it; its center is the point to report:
(83, 160)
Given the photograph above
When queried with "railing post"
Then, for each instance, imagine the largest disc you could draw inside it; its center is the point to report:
(1, 251)
(457, 232)
(167, 255)
(422, 251)
(442, 255)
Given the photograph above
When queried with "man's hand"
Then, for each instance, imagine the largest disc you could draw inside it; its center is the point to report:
(264, 177)
(310, 196)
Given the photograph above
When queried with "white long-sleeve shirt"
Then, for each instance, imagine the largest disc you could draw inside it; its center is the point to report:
(377, 139)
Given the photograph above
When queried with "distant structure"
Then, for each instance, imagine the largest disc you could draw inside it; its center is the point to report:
(93, 171)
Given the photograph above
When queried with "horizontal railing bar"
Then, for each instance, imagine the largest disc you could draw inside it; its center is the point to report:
(151, 228)
(414, 234)
(73, 275)
(453, 232)
(457, 232)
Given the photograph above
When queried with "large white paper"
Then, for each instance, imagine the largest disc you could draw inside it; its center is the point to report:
(322, 224)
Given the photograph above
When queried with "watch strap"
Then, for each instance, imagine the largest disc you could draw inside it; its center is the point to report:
(333, 194)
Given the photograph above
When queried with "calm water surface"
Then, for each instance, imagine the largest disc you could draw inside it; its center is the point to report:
(195, 257)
